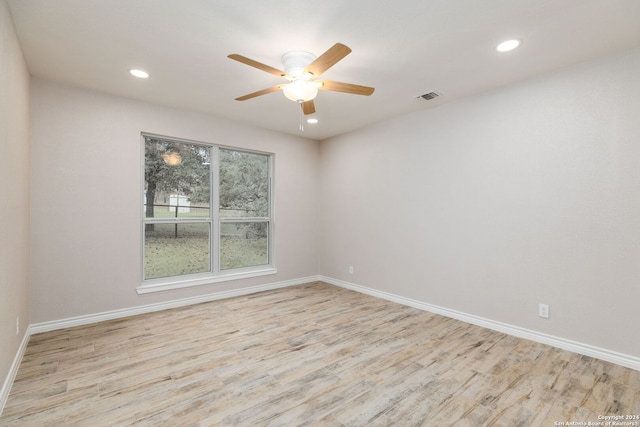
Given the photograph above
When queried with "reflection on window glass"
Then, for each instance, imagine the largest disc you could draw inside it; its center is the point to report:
(243, 244)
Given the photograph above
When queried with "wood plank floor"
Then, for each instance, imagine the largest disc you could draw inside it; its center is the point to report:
(307, 355)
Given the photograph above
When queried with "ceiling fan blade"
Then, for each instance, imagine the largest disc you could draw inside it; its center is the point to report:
(328, 59)
(308, 107)
(258, 65)
(258, 93)
(345, 87)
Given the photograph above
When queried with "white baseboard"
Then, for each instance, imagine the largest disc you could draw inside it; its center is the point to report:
(565, 344)
(13, 370)
(149, 308)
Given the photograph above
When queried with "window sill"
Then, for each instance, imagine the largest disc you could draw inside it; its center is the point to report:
(169, 284)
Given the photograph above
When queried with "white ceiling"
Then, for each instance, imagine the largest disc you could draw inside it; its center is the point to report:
(403, 48)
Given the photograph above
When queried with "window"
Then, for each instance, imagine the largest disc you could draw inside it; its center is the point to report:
(206, 214)
(244, 209)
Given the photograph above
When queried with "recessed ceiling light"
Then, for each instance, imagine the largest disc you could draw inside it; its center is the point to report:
(139, 73)
(508, 45)
(312, 121)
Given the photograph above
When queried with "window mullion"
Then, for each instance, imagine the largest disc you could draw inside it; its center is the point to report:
(215, 209)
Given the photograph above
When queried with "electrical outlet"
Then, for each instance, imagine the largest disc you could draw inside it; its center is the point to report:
(543, 310)
(351, 269)
(17, 325)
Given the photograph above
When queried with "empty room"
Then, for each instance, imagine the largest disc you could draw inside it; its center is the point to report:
(339, 213)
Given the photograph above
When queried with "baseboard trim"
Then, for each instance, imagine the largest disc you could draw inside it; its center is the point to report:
(565, 344)
(149, 308)
(13, 370)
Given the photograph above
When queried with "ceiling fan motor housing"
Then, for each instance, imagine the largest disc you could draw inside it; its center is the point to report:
(295, 63)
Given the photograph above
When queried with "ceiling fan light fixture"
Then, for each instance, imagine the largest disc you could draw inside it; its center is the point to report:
(300, 90)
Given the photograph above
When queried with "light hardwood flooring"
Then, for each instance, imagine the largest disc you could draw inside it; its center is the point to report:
(307, 355)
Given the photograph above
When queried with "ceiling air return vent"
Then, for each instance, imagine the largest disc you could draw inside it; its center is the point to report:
(428, 96)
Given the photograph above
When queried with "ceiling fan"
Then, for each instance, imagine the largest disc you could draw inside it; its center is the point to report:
(302, 69)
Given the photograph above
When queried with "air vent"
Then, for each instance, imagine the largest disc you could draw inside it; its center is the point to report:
(428, 96)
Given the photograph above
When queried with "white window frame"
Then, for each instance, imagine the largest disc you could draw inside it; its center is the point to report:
(215, 275)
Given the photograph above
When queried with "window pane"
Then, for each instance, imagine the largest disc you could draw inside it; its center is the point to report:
(243, 244)
(176, 179)
(244, 184)
(176, 249)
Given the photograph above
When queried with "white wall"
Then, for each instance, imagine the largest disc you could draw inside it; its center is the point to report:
(14, 207)
(86, 199)
(490, 205)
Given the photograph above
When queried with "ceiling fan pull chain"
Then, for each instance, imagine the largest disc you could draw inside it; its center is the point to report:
(301, 119)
